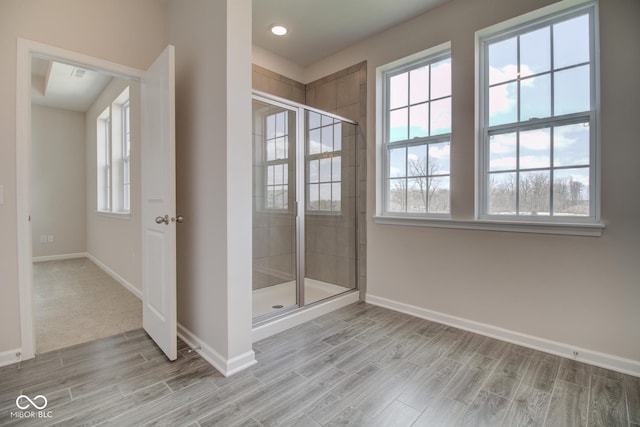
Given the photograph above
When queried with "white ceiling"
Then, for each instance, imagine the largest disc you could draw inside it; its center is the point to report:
(319, 28)
(55, 84)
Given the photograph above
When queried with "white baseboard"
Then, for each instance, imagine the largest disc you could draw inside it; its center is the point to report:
(225, 366)
(137, 292)
(10, 357)
(239, 363)
(60, 257)
(608, 361)
(289, 321)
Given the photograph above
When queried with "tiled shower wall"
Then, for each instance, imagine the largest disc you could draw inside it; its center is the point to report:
(269, 82)
(345, 93)
(342, 93)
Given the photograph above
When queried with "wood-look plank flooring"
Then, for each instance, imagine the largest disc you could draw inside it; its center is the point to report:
(360, 366)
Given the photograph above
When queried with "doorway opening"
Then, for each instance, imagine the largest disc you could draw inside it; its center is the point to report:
(154, 276)
(84, 229)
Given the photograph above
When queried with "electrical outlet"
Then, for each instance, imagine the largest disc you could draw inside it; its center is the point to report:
(50, 238)
(43, 238)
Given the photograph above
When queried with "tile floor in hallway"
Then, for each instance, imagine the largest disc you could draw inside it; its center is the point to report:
(362, 365)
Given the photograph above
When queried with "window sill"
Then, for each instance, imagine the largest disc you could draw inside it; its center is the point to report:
(572, 229)
(324, 213)
(118, 215)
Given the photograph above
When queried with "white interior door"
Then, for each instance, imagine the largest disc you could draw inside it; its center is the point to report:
(158, 181)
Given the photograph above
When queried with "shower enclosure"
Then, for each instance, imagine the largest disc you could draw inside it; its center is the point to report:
(304, 206)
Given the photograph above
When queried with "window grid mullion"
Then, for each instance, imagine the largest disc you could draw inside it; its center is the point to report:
(421, 141)
(408, 107)
(518, 81)
(530, 76)
(428, 176)
(517, 173)
(552, 170)
(573, 118)
(429, 101)
(406, 177)
(406, 194)
(552, 65)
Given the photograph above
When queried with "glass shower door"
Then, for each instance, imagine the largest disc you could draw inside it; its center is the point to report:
(274, 209)
(330, 261)
(304, 206)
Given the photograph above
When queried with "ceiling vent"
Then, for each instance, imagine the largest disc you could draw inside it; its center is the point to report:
(78, 73)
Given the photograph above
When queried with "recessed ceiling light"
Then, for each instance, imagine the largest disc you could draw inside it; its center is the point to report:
(278, 30)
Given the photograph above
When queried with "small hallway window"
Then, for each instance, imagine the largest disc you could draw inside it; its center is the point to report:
(114, 156)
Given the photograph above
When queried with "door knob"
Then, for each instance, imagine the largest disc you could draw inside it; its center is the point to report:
(162, 219)
(179, 219)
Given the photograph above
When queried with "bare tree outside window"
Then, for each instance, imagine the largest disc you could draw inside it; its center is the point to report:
(418, 137)
(425, 187)
(538, 117)
(533, 190)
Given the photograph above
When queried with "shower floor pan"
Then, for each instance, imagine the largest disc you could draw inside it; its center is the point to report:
(284, 295)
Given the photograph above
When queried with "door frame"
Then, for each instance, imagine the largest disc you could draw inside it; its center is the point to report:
(25, 50)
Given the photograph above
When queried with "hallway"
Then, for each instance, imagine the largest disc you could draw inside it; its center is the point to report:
(76, 302)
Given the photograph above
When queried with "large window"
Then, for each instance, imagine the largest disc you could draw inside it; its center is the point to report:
(417, 136)
(538, 115)
(114, 156)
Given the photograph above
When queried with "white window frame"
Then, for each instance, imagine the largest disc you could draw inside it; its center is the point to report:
(521, 25)
(334, 124)
(275, 163)
(477, 221)
(113, 159)
(126, 156)
(103, 150)
(420, 59)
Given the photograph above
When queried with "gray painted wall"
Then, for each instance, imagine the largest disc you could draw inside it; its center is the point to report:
(58, 181)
